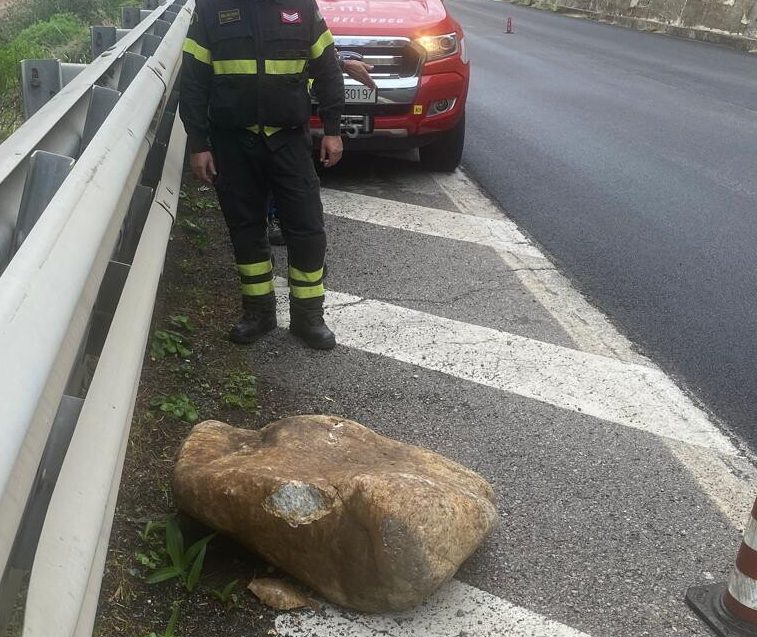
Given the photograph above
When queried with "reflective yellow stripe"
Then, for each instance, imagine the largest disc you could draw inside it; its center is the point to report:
(320, 44)
(257, 289)
(235, 67)
(284, 67)
(267, 130)
(308, 292)
(199, 53)
(255, 269)
(305, 277)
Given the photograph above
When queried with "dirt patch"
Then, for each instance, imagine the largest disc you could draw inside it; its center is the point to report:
(199, 289)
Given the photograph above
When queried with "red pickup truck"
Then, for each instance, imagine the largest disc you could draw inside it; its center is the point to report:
(421, 71)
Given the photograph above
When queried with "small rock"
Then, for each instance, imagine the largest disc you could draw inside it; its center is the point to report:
(278, 594)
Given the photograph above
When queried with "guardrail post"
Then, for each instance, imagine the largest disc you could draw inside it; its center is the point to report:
(170, 15)
(47, 171)
(150, 44)
(101, 103)
(160, 27)
(130, 66)
(40, 80)
(69, 71)
(139, 207)
(106, 304)
(157, 155)
(130, 17)
(102, 39)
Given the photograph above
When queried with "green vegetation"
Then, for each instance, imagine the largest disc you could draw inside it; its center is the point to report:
(198, 234)
(186, 566)
(177, 405)
(25, 13)
(240, 390)
(171, 341)
(181, 322)
(165, 342)
(32, 29)
(227, 595)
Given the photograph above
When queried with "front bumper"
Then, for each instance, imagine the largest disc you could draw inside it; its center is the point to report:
(403, 116)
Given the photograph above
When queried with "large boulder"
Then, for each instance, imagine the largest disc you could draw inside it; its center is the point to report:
(370, 523)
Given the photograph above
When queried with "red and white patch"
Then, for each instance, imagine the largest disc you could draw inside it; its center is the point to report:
(291, 17)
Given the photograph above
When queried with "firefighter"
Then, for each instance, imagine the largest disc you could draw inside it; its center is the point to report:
(245, 105)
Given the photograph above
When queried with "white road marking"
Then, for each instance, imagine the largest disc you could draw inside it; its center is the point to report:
(456, 610)
(729, 482)
(467, 196)
(589, 329)
(607, 388)
(608, 380)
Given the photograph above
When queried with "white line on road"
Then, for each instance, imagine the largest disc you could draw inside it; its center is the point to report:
(457, 609)
(589, 329)
(606, 388)
(729, 481)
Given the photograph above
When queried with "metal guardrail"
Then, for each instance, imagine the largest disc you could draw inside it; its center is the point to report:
(82, 243)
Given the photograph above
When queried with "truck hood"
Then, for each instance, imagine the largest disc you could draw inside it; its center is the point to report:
(382, 17)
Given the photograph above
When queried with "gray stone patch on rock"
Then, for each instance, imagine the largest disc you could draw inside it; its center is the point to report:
(297, 503)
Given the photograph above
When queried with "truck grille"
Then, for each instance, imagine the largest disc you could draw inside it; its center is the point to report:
(390, 57)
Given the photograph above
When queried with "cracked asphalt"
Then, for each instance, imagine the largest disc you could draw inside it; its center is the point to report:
(603, 527)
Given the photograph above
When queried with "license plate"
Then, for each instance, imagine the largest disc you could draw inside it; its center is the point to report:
(360, 95)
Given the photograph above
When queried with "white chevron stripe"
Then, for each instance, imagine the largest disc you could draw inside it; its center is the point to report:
(728, 480)
(623, 393)
(457, 609)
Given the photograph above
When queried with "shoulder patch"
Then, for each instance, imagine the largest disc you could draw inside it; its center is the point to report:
(291, 16)
(230, 15)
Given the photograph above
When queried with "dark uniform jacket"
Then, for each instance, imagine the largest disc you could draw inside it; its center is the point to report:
(246, 66)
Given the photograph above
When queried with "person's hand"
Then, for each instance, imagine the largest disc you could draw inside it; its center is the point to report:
(331, 150)
(203, 166)
(359, 71)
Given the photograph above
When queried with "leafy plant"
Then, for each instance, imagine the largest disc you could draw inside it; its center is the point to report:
(151, 559)
(148, 534)
(181, 322)
(177, 405)
(165, 342)
(241, 391)
(227, 595)
(186, 566)
(201, 204)
(170, 630)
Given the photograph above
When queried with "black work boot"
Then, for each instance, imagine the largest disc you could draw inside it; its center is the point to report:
(258, 318)
(306, 322)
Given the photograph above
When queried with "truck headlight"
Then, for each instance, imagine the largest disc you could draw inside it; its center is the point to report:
(439, 46)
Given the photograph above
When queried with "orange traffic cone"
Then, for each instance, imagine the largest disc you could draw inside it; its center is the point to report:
(730, 609)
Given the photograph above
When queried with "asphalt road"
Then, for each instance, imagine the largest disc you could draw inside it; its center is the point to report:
(615, 494)
(632, 159)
